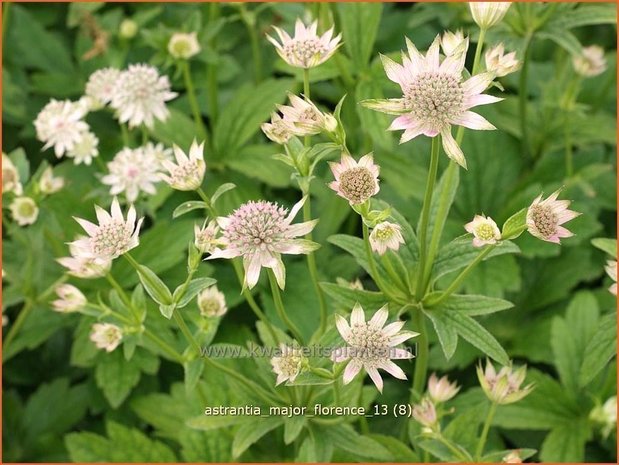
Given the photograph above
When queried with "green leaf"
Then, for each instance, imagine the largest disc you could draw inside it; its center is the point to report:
(257, 162)
(194, 287)
(210, 423)
(177, 129)
(473, 305)
(514, 226)
(600, 350)
(563, 38)
(447, 335)
(607, 245)
(346, 438)
(249, 433)
(188, 206)
(401, 452)
(155, 287)
(122, 445)
(566, 443)
(222, 190)
(116, 377)
(585, 15)
(359, 22)
(293, 427)
(348, 297)
(193, 371)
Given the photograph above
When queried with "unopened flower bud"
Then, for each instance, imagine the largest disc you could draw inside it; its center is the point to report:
(128, 29)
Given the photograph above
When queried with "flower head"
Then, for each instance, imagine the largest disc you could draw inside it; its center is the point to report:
(500, 63)
(101, 85)
(385, 236)
(70, 299)
(205, 237)
(611, 270)
(306, 49)
(590, 62)
(24, 210)
(606, 415)
(59, 124)
(288, 364)
(425, 414)
(435, 97)
(82, 263)
(355, 181)
(371, 346)
(260, 232)
(140, 96)
(114, 235)
(49, 184)
(484, 231)
(157, 152)
(440, 389)
(212, 302)
(545, 217)
(132, 171)
(183, 45)
(10, 177)
(188, 171)
(278, 130)
(304, 118)
(106, 336)
(451, 41)
(84, 149)
(503, 387)
(487, 14)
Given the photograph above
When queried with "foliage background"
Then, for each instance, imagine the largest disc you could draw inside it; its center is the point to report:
(55, 383)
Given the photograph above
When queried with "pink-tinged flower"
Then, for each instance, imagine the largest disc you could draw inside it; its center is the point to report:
(435, 97)
(545, 217)
(278, 130)
(487, 14)
(611, 269)
(590, 62)
(385, 236)
(503, 387)
(260, 232)
(512, 457)
(212, 303)
(288, 364)
(10, 177)
(451, 41)
(86, 148)
(205, 237)
(106, 336)
(114, 235)
(82, 263)
(102, 84)
(304, 118)
(158, 152)
(371, 346)
(500, 63)
(132, 171)
(24, 211)
(188, 171)
(484, 231)
(355, 181)
(441, 389)
(59, 124)
(70, 299)
(306, 49)
(140, 96)
(50, 184)
(425, 414)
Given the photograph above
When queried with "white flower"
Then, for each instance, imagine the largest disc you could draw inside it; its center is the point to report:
(487, 14)
(183, 45)
(10, 177)
(306, 49)
(503, 387)
(187, 173)
(24, 210)
(606, 415)
(435, 96)
(288, 365)
(371, 346)
(85, 148)
(205, 237)
(500, 63)
(425, 414)
(303, 117)
(611, 269)
(278, 130)
(59, 124)
(70, 299)
(484, 231)
(441, 390)
(82, 263)
(545, 217)
(355, 181)
(49, 184)
(513, 457)
(106, 336)
(133, 171)
(212, 302)
(102, 84)
(260, 232)
(140, 95)
(451, 41)
(157, 151)
(590, 62)
(385, 236)
(114, 235)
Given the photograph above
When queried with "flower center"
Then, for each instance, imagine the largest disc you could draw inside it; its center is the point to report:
(209, 307)
(435, 98)
(289, 364)
(357, 184)
(256, 226)
(304, 50)
(368, 344)
(26, 209)
(187, 173)
(384, 234)
(485, 232)
(111, 239)
(545, 219)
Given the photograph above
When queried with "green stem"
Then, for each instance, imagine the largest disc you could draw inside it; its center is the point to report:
(306, 93)
(211, 70)
(523, 95)
(125, 134)
(454, 450)
(397, 279)
(209, 206)
(180, 321)
(478, 49)
(370, 255)
(250, 24)
(100, 163)
(425, 216)
(193, 101)
(313, 270)
(421, 361)
(484, 433)
(279, 307)
(122, 294)
(165, 347)
(463, 274)
(5, 18)
(569, 157)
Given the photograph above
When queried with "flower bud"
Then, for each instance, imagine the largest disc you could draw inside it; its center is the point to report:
(488, 14)
(499, 63)
(183, 45)
(70, 299)
(591, 62)
(441, 390)
(128, 29)
(24, 211)
(212, 303)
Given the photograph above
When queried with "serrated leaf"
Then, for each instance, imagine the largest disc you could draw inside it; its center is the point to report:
(600, 350)
(566, 443)
(447, 335)
(116, 377)
(346, 438)
(249, 433)
(293, 427)
(473, 305)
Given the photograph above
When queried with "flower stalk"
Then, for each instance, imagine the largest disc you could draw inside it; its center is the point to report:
(193, 101)
(281, 310)
(484, 433)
